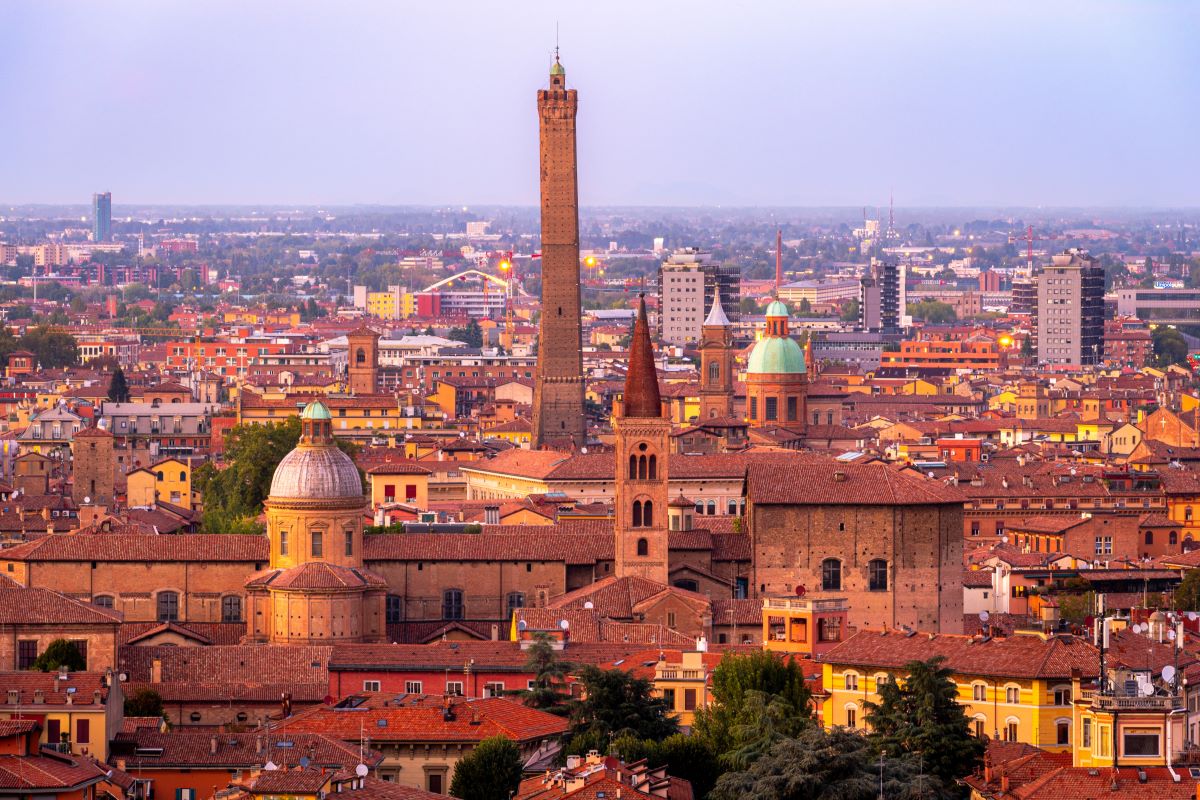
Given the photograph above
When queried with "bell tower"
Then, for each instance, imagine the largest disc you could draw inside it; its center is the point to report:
(716, 363)
(364, 360)
(642, 442)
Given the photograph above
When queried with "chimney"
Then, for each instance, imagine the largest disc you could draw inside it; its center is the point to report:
(1004, 784)
(491, 515)
(258, 745)
(212, 746)
(839, 476)
(156, 671)
(97, 697)
(39, 697)
(14, 697)
(495, 633)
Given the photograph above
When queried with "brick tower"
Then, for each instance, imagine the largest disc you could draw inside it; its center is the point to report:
(363, 343)
(558, 415)
(716, 363)
(643, 441)
(93, 466)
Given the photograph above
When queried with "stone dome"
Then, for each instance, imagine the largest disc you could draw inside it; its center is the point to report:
(776, 355)
(316, 473)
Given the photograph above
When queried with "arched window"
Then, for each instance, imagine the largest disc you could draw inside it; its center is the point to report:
(1173, 537)
(877, 575)
(851, 715)
(1012, 694)
(515, 600)
(231, 608)
(168, 606)
(632, 467)
(103, 600)
(831, 575)
(648, 514)
(182, 476)
(714, 372)
(641, 468)
(1149, 537)
(653, 467)
(643, 547)
(452, 604)
(637, 514)
(395, 608)
(360, 357)
(1062, 729)
(711, 509)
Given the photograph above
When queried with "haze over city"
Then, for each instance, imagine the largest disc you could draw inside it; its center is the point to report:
(753, 104)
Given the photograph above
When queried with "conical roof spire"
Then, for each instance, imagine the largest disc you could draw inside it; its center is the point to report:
(716, 315)
(641, 381)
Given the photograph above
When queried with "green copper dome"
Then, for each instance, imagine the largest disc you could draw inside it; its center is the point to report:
(557, 68)
(778, 309)
(315, 410)
(776, 355)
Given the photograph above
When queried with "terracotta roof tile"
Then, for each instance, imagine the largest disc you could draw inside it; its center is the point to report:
(139, 547)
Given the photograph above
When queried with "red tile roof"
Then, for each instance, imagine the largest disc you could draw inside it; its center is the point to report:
(140, 547)
(641, 397)
(317, 575)
(185, 749)
(36, 606)
(47, 772)
(817, 480)
(79, 687)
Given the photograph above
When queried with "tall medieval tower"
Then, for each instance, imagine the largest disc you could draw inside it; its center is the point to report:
(363, 366)
(643, 442)
(558, 414)
(716, 363)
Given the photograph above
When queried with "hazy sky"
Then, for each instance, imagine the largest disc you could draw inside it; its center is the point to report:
(739, 103)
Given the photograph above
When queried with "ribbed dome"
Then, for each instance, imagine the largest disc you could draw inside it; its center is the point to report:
(316, 473)
(778, 309)
(776, 355)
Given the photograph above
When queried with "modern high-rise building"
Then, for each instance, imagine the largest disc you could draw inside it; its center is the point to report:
(559, 419)
(102, 217)
(1070, 310)
(685, 280)
(881, 299)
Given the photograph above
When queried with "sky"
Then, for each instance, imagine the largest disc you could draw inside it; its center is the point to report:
(796, 103)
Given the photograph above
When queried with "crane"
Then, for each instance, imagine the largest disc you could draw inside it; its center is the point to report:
(1029, 237)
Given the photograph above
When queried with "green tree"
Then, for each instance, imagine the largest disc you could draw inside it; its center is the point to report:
(1027, 347)
(118, 389)
(60, 653)
(616, 703)
(921, 715)
(1187, 593)
(472, 334)
(850, 311)
(233, 496)
(53, 349)
(548, 691)
(805, 306)
(757, 698)
(839, 765)
(1075, 601)
(750, 306)
(8, 342)
(1169, 347)
(688, 757)
(491, 771)
(933, 311)
(144, 703)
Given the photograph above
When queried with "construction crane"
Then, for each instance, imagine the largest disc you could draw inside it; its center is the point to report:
(1029, 238)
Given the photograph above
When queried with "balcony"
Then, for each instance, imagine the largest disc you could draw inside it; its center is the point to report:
(1119, 703)
(803, 604)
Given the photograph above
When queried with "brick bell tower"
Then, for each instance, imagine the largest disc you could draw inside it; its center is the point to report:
(716, 363)
(643, 442)
(363, 366)
(558, 412)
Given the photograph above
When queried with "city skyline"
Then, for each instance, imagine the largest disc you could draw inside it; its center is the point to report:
(806, 107)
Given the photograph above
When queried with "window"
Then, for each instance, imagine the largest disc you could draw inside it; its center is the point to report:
(370, 686)
(979, 692)
(515, 600)
(1062, 730)
(26, 653)
(771, 408)
(1010, 731)
(103, 600)
(1087, 733)
(1172, 538)
(283, 543)
(412, 687)
(1139, 742)
(829, 629)
(753, 408)
(979, 731)
(454, 688)
(452, 604)
(349, 543)
(851, 682)
(791, 409)
(168, 606)
(1062, 695)
(493, 689)
(877, 572)
(394, 609)
(643, 547)
(689, 699)
(669, 698)
(1149, 537)
(231, 608)
(851, 716)
(1012, 694)
(317, 538)
(831, 575)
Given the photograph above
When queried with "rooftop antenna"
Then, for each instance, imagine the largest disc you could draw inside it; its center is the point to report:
(778, 260)
(891, 231)
(556, 41)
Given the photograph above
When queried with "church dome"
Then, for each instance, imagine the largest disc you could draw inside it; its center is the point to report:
(778, 309)
(776, 355)
(316, 469)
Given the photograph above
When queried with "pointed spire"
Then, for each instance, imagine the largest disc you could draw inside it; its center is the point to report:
(716, 315)
(641, 381)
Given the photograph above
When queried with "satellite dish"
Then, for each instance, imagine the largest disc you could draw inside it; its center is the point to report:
(1171, 635)
(522, 624)
(800, 590)
(271, 766)
(1147, 690)
(583, 450)
(562, 623)
(87, 500)
(361, 770)
(1004, 539)
(1168, 673)
(984, 616)
(1191, 616)
(589, 605)
(304, 762)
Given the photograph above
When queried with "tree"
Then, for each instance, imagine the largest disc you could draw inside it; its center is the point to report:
(616, 703)
(1076, 601)
(750, 306)
(491, 771)
(53, 349)
(144, 703)
(838, 765)
(549, 685)
(1169, 347)
(921, 715)
(58, 654)
(118, 389)
(850, 311)
(1187, 593)
(805, 306)
(1027, 347)
(757, 698)
(688, 757)
(933, 311)
(472, 334)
